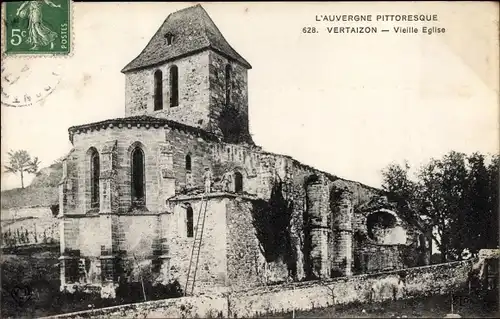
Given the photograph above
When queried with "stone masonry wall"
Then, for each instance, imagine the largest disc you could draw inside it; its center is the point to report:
(360, 193)
(245, 263)
(193, 84)
(182, 144)
(258, 168)
(166, 175)
(421, 281)
(134, 235)
(185, 307)
(202, 95)
(369, 256)
(231, 119)
(81, 238)
(319, 228)
(147, 139)
(165, 151)
(341, 260)
(135, 239)
(268, 169)
(212, 265)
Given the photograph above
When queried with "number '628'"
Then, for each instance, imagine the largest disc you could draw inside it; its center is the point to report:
(16, 36)
(309, 30)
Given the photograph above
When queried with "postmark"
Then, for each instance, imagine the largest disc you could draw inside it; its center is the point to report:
(21, 294)
(37, 27)
(26, 83)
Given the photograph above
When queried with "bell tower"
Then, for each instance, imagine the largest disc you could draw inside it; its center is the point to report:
(188, 73)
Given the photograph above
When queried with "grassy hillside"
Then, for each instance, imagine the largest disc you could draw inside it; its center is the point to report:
(48, 177)
(43, 191)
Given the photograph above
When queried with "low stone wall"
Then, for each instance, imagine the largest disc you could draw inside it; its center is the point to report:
(184, 307)
(420, 281)
(29, 226)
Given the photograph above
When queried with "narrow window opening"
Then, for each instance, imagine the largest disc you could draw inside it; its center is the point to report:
(228, 84)
(174, 86)
(189, 221)
(158, 87)
(94, 179)
(188, 162)
(421, 241)
(138, 193)
(238, 182)
(170, 38)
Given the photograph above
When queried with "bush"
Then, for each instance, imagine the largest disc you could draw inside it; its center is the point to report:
(130, 292)
(39, 279)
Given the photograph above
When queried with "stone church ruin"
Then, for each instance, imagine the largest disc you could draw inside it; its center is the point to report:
(178, 186)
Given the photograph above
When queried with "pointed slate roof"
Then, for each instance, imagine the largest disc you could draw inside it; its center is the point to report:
(193, 31)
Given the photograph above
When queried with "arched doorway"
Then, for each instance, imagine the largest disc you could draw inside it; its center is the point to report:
(238, 182)
(189, 221)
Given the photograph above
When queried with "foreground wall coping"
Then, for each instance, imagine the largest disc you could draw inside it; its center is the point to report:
(312, 283)
(160, 307)
(147, 305)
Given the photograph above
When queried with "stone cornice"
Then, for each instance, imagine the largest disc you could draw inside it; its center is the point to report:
(148, 122)
(183, 197)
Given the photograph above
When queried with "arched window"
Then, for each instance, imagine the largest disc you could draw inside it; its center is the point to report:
(189, 221)
(174, 86)
(94, 179)
(158, 96)
(188, 162)
(228, 84)
(138, 191)
(238, 182)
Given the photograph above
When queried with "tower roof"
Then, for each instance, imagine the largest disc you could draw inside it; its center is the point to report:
(193, 31)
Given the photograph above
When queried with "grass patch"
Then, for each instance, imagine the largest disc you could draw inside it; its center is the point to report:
(425, 307)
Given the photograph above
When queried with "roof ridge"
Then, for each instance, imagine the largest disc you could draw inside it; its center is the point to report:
(190, 37)
(147, 44)
(204, 26)
(188, 8)
(225, 40)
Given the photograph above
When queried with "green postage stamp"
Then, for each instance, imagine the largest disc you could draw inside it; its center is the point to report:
(38, 27)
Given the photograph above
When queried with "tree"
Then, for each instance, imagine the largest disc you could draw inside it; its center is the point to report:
(21, 162)
(407, 195)
(442, 190)
(456, 195)
(479, 216)
(493, 186)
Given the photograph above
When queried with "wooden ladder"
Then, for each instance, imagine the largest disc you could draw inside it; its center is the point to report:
(195, 253)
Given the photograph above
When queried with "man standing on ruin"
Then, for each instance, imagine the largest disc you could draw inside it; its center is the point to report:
(207, 177)
(226, 182)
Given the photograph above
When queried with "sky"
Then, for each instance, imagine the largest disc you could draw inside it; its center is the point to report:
(349, 104)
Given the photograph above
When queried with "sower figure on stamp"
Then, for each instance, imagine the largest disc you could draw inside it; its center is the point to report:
(207, 177)
(38, 32)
